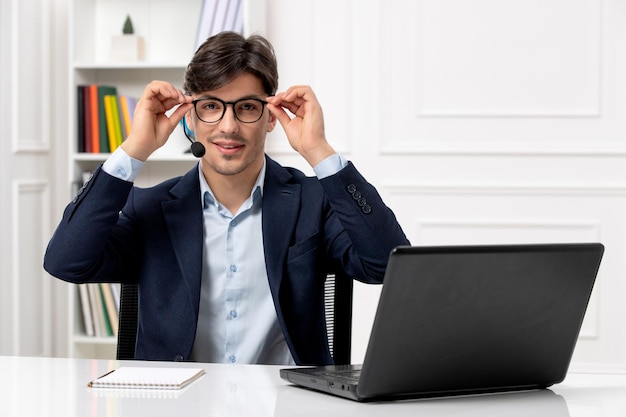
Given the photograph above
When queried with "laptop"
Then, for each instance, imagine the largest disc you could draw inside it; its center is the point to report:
(462, 320)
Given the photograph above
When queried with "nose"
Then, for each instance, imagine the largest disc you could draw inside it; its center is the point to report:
(228, 123)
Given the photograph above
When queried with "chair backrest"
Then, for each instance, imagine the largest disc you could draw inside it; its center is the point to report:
(127, 327)
(338, 303)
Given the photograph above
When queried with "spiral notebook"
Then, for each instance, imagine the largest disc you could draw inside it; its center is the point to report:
(147, 378)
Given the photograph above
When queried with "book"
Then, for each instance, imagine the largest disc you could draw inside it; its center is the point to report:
(125, 114)
(104, 90)
(87, 119)
(116, 290)
(119, 136)
(80, 118)
(95, 302)
(93, 116)
(110, 307)
(108, 329)
(86, 309)
(104, 117)
(113, 121)
(147, 378)
(108, 106)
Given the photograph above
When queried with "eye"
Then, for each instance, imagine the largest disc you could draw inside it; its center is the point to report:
(252, 106)
(210, 105)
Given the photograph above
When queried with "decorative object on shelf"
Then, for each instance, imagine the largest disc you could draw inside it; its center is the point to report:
(127, 47)
(218, 16)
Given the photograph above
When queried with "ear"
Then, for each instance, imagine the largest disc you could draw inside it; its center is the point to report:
(186, 122)
(271, 122)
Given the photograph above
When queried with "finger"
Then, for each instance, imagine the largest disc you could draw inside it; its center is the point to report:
(164, 91)
(299, 92)
(280, 114)
(292, 107)
(178, 114)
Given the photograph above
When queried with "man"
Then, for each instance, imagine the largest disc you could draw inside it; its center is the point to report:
(230, 258)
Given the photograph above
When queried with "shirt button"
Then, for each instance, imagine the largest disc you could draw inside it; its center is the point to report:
(233, 223)
(232, 359)
(122, 172)
(233, 314)
(233, 268)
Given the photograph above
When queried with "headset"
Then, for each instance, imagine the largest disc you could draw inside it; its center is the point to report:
(197, 149)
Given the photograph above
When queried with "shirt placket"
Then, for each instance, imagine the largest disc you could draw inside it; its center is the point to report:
(232, 296)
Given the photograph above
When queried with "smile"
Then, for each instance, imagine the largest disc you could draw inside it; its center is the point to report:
(228, 148)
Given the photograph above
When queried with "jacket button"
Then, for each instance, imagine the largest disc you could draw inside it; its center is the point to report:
(179, 358)
(351, 188)
(366, 209)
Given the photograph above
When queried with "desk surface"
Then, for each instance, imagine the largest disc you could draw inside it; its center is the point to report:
(58, 387)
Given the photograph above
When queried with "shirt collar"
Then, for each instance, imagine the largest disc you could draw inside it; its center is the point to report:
(257, 188)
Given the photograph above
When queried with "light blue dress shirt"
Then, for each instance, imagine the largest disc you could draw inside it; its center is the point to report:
(237, 321)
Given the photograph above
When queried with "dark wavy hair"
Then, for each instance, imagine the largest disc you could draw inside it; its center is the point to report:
(227, 55)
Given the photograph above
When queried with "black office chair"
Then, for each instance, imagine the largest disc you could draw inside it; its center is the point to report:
(338, 304)
(127, 323)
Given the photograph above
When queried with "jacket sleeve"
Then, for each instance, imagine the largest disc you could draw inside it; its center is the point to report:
(89, 244)
(369, 228)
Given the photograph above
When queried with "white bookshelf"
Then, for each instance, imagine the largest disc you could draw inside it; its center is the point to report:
(169, 30)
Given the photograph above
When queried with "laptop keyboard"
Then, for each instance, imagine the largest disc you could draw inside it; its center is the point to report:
(349, 374)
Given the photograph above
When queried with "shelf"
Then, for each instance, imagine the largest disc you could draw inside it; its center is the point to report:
(129, 65)
(92, 26)
(92, 340)
(167, 54)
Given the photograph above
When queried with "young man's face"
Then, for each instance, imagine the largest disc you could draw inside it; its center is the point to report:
(233, 147)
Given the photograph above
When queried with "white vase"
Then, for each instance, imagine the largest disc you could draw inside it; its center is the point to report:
(125, 48)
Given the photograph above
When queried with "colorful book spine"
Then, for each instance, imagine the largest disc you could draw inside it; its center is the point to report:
(80, 118)
(108, 106)
(104, 118)
(86, 309)
(125, 115)
(108, 329)
(104, 90)
(93, 111)
(111, 308)
(87, 119)
(119, 136)
(96, 310)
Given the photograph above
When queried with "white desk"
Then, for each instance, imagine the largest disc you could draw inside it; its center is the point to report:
(58, 387)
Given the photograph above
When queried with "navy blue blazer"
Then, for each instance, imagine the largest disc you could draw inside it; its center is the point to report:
(114, 232)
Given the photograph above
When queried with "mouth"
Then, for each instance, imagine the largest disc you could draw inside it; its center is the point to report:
(228, 148)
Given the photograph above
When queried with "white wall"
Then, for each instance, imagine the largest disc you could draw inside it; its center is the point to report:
(32, 47)
(482, 121)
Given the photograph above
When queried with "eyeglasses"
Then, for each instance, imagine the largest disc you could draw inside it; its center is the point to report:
(246, 110)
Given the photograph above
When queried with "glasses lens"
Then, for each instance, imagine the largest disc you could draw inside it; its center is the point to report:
(209, 110)
(248, 110)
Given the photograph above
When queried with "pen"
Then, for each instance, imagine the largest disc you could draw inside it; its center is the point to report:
(90, 384)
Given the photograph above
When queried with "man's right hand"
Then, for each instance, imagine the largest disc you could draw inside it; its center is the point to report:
(151, 127)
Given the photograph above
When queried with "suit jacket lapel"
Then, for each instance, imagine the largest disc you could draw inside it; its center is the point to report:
(183, 216)
(281, 201)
